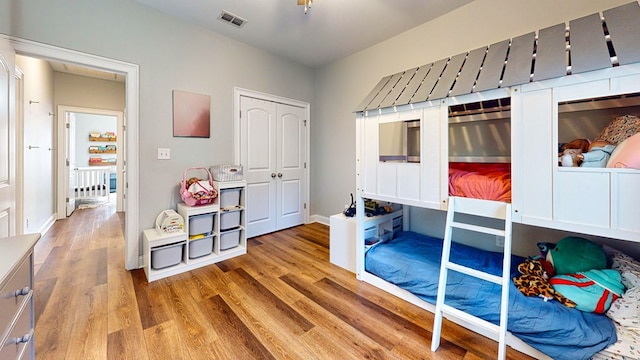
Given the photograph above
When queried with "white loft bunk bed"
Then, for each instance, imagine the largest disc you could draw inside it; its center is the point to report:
(544, 105)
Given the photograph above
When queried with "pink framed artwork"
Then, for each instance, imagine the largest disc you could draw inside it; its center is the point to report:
(191, 114)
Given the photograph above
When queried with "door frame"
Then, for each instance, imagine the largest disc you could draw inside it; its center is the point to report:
(240, 92)
(63, 187)
(131, 114)
(19, 151)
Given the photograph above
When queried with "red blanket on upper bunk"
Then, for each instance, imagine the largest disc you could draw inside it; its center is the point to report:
(480, 181)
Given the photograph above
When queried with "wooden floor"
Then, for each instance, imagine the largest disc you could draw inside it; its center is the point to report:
(282, 300)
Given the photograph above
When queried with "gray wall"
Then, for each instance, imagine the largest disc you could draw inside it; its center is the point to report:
(171, 55)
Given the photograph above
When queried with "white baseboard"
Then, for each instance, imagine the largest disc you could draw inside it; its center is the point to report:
(319, 219)
(48, 224)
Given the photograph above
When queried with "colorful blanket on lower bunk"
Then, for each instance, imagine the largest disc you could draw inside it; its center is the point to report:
(412, 262)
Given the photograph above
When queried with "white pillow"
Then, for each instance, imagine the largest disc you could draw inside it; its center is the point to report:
(626, 310)
(628, 267)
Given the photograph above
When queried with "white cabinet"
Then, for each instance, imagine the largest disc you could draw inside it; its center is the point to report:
(16, 297)
(343, 236)
(212, 234)
(342, 241)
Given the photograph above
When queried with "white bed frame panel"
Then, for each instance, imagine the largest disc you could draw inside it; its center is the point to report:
(545, 194)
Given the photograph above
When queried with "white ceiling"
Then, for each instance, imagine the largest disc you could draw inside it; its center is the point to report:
(332, 29)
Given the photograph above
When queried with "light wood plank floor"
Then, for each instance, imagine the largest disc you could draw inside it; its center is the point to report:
(283, 300)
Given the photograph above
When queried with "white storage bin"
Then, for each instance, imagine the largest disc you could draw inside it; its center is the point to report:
(370, 232)
(229, 219)
(226, 172)
(200, 247)
(201, 224)
(166, 255)
(230, 198)
(229, 239)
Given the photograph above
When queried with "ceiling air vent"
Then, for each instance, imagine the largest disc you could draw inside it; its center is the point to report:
(231, 18)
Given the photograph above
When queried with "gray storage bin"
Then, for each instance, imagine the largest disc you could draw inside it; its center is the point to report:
(229, 219)
(229, 239)
(200, 247)
(230, 198)
(166, 255)
(201, 224)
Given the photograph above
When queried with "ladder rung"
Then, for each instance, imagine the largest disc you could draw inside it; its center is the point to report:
(473, 272)
(471, 318)
(476, 228)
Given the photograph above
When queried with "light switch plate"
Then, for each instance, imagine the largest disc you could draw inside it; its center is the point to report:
(164, 154)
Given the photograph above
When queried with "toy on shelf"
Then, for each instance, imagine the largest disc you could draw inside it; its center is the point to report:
(195, 191)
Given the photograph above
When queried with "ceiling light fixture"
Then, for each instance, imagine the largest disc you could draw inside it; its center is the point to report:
(307, 5)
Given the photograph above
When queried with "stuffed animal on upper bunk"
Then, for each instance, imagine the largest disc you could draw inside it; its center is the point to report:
(595, 154)
(569, 152)
(617, 145)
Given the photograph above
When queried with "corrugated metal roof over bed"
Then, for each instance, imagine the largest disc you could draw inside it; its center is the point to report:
(589, 43)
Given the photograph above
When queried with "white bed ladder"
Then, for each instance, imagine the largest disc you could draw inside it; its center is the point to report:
(488, 209)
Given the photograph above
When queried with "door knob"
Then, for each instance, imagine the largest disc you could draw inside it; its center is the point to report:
(279, 175)
(273, 175)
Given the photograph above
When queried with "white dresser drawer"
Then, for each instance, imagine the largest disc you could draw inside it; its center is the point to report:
(17, 344)
(20, 285)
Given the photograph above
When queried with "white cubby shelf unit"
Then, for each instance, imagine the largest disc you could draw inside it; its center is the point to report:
(204, 241)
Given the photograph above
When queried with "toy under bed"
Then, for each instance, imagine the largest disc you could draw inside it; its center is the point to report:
(412, 262)
(489, 181)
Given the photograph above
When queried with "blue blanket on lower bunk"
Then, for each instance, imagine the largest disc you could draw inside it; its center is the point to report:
(412, 262)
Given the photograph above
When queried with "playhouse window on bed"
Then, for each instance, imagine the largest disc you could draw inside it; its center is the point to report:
(480, 150)
(480, 131)
(590, 130)
(399, 141)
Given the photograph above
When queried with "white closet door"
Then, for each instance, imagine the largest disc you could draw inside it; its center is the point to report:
(273, 145)
(291, 145)
(7, 140)
(258, 124)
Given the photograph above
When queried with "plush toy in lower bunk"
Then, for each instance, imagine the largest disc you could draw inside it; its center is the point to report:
(574, 254)
(578, 276)
(592, 291)
(534, 282)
